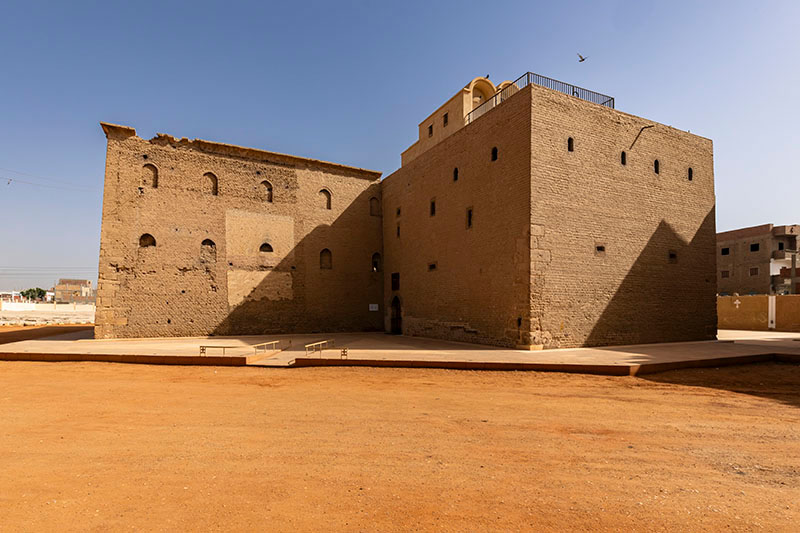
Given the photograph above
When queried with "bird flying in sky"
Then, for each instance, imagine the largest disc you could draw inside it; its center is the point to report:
(581, 59)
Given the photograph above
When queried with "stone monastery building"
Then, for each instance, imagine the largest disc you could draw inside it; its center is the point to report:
(528, 214)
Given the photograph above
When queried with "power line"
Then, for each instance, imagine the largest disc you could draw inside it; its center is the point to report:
(35, 176)
(9, 181)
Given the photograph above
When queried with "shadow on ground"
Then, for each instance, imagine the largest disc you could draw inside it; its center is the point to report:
(773, 381)
(23, 333)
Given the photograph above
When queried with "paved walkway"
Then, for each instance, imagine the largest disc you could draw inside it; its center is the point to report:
(378, 349)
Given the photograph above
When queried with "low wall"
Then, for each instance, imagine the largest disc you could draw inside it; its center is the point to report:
(756, 312)
(61, 308)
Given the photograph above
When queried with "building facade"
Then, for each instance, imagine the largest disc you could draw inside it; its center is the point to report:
(74, 291)
(757, 260)
(202, 238)
(529, 214)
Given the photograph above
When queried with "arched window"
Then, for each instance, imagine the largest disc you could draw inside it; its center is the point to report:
(325, 259)
(267, 186)
(325, 198)
(656, 166)
(455, 174)
(570, 145)
(147, 240)
(376, 262)
(374, 207)
(210, 183)
(208, 250)
(623, 158)
(150, 176)
(690, 174)
(265, 248)
(494, 153)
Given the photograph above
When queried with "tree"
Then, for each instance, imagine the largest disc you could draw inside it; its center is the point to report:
(34, 294)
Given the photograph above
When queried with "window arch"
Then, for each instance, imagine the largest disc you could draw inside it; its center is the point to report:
(570, 145)
(376, 262)
(325, 198)
(265, 248)
(208, 250)
(690, 174)
(494, 153)
(656, 166)
(325, 259)
(146, 241)
(623, 158)
(455, 174)
(267, 186)
(374, 207)
(210, 183)
(150, 176)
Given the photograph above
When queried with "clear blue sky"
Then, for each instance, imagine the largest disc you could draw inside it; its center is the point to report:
(349, 81)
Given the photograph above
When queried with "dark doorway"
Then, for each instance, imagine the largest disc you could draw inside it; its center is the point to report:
(397, 318)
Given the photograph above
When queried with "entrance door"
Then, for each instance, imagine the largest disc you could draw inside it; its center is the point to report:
(396, 317)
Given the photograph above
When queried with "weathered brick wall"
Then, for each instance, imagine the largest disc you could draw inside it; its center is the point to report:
(479, 290)
(633, 292)
(180, 287)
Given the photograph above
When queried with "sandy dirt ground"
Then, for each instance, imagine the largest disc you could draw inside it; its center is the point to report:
(98, 446)
(20, 318)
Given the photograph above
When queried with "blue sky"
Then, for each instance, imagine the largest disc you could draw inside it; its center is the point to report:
(349, 81)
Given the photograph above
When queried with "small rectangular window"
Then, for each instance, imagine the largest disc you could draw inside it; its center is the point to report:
(780, 246)
(444, 119)
(397, 214)
(725, 251)
(754, 247)
(433, 207)
(725, 273)
(673, 256)
(395, 281)
(398, 231)
(754, 271)
(469, 217)
(431, 267)
(430, 130)
(600, 249)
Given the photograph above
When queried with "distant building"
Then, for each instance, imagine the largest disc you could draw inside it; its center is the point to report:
(74, 291)
(756, 260)
(10, 296)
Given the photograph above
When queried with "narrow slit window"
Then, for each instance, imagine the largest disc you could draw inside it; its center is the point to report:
(445, 120)
(469, 217)
(430, 130)
(494, 153)
(455, 174)
(570, 145)
(690, 174)
(623, 158)
(433, 207)
(656, 166)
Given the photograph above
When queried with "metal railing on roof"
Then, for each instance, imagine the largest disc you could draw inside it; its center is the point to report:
(536, 79)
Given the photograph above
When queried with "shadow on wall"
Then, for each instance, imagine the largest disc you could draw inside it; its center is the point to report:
(324, 283)
(653, 301)
(773, 381)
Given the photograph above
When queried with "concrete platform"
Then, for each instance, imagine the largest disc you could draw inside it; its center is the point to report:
(378, 349)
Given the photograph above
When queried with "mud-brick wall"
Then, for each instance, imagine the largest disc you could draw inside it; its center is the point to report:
(239, 235)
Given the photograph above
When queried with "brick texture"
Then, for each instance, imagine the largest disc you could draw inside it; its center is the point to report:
(180, 287)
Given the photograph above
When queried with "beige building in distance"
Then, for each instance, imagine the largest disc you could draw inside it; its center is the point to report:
(529, 214)
(757, 260)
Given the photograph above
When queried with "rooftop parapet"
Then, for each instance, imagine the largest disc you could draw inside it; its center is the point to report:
(531, 78)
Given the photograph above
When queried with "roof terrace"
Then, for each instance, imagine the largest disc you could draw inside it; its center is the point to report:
(536, 79)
